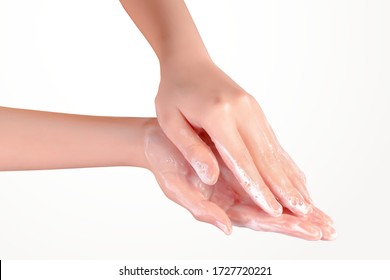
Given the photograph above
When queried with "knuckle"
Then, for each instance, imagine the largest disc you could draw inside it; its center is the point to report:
(268, 156)
(170, 194)
(168, 183)
(222, 106)
(227, 101)
(243, 98)
(200, 214)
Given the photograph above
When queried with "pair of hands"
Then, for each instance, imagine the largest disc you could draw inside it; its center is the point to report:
(217, 156)
(196, 96)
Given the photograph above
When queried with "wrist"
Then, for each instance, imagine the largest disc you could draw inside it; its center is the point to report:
(138, 132)
(150, 126)
(183, 59)
(133, 153)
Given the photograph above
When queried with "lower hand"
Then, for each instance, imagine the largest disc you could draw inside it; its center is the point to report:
(225, 203)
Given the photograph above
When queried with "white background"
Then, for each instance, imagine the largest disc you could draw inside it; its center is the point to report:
(319, 69)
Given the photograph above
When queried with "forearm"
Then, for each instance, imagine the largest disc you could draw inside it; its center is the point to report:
(44, 140)
(168, 27)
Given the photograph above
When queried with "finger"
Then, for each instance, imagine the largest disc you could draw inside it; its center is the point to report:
(253, 218)
(320, 219)
(296, 176)
(226, 177)
(176, 180)
(328, 232)
(301, 187)
(299, 173)
(263, 152)
(237, 158)
(208, 212)
(178, 190)
(270, 134)
(224, 195)
(195, 151)
(319, 216)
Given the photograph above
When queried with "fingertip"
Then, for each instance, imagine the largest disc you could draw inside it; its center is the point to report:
(299, 206)
(317, 233)
(329, 234)
(267, 202)
(275, 208)
(311, 232)
(225, 227)
(211, 213)
(207, 169)
(295, 201)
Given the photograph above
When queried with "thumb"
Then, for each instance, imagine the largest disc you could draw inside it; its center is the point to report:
(208, 212)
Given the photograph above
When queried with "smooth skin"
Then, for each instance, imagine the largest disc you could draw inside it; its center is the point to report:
(195, 95)
(225, 203)
(33, 140)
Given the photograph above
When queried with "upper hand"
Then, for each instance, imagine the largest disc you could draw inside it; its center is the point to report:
(195, 96)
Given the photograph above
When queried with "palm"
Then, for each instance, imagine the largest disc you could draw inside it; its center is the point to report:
(224, 203)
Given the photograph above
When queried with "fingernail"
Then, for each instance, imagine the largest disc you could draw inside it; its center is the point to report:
(298, 205)
(202, 169)
(330, 221)
(329, 233)
(314, 231)
(276, 207)
(223, 227)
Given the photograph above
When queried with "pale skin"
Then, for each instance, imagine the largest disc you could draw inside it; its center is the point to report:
(44, 140)
(225, 203)
(211, 148)
(196, 95)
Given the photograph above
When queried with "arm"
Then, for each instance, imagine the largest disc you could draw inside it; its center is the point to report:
(168, 27)
(195, 95)
(43, 140)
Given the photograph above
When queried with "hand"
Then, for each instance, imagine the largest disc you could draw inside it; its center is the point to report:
(195, 96)
(224, 203)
